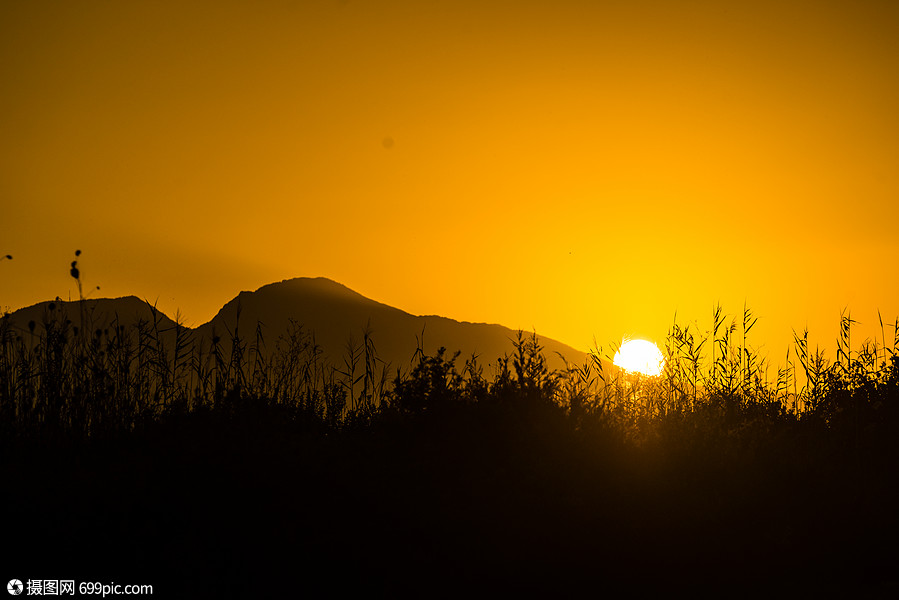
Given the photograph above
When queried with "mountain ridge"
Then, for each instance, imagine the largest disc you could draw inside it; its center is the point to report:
(333, 312)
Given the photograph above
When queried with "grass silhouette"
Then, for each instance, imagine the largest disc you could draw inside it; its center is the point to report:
(254, 467)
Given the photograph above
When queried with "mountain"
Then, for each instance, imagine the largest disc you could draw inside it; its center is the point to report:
(100, 314)
(329, 310)
(334, 312)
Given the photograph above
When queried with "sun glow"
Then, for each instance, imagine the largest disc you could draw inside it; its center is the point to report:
(640, 356)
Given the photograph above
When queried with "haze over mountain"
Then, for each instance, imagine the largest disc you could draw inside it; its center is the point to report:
(333, 312)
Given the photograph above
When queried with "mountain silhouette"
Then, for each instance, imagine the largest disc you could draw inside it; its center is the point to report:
(99, 313)
(332, 312)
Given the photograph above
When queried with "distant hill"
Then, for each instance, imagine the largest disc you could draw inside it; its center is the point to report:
(328, 309)
(101, 313)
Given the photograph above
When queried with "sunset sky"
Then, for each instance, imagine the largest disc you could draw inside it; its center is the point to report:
(579, 168)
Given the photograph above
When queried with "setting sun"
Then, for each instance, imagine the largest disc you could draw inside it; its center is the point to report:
(640, 356)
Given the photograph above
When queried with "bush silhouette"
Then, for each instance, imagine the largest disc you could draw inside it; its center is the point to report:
(256, 454)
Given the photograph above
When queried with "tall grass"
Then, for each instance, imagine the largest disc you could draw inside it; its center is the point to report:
(71, 379)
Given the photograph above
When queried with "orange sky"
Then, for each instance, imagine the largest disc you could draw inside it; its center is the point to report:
(582, 168)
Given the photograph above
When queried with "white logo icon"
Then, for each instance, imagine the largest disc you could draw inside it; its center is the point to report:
(14, 587)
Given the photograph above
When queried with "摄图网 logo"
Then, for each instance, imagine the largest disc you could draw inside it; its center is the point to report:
(14, 587)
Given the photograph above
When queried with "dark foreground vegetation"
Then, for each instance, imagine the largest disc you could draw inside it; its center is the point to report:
(228, 467)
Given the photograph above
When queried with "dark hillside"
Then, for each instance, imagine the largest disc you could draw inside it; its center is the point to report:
(333, 312)
(101, 313)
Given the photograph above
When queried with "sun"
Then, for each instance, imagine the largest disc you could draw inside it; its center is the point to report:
(640, 356)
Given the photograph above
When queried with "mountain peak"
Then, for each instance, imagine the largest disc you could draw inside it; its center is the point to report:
(318, 285)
